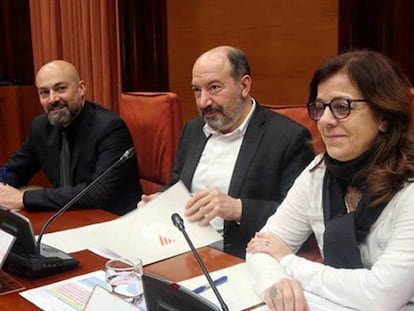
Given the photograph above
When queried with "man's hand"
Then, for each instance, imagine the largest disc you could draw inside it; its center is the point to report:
(11, 197)
(146, 198)
(286, 295)
(209, 203)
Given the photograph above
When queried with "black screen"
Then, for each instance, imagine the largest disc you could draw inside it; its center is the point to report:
(163, 295)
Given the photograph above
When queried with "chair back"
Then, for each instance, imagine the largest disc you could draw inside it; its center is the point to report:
(300, 115)
(155, 122)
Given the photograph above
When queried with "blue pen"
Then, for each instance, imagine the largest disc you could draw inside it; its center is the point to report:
(216, 282)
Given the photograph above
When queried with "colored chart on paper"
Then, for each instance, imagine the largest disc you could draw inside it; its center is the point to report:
(165, 240)
(75, 294)
(71, 294)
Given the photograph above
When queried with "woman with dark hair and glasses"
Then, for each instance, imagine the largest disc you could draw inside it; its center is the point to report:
(357, 197)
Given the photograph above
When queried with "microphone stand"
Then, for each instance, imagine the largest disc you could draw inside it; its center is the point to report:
(178, 222)
(127, 154)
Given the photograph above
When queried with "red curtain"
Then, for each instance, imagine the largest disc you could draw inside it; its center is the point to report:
(84, 33)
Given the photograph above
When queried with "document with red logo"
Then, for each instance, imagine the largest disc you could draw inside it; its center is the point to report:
(148, 232)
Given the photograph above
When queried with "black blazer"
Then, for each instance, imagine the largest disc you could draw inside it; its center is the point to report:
(274, 151)
(98, 138)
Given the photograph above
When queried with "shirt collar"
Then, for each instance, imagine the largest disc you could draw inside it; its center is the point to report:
(241, 129)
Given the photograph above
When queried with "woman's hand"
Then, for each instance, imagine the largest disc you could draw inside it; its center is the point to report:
(286, 295)
(268, 243)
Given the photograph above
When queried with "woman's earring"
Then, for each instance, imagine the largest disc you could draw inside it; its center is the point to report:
(383, 128)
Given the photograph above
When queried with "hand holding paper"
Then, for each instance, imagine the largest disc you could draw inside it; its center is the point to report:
(148, 233)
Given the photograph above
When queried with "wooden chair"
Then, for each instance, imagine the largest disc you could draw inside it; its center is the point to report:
(155, 122)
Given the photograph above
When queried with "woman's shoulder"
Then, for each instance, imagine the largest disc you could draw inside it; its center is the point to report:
(407, 190)
(313, 173)
(317, 164)
(403, 201)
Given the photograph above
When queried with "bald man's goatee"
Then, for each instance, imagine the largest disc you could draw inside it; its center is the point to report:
(60, 118)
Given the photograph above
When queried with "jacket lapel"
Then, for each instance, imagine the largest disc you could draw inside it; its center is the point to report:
(251, 142)
(81, 126)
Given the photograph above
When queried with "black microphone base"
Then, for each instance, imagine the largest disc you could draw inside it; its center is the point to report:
(50, 262)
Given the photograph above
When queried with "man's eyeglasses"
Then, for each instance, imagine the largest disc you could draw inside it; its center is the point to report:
(339, 107)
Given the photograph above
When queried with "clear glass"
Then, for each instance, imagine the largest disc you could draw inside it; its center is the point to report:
(124, 276)
(339, 107)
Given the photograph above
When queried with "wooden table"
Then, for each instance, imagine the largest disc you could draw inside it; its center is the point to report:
(184, 266)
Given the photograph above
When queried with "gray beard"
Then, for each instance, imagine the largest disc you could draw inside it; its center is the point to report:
(60, 119)
(224, 123)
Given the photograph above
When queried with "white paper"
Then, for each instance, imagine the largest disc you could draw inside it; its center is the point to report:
(6, 243)
(148, 232)
(102, 299)
(72, 240)
(76, 293)
(237, 292)
(315, 303)
(69, 295)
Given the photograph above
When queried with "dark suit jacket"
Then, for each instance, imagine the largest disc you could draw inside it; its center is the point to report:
(274, 151)
(98, 138)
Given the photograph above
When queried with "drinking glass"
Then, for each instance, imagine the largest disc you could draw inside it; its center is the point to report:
(124, 275)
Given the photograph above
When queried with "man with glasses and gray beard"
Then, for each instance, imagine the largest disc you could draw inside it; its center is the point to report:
(238, 159)
(73, 143)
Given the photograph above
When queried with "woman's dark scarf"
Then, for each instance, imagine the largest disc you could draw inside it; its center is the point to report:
(345, 231)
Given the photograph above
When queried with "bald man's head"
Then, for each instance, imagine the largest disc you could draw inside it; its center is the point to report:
(236, 58)
(60, 66)
(61, 92)
(221, 84)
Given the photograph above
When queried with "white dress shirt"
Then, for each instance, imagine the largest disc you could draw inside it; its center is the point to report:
(216, 165)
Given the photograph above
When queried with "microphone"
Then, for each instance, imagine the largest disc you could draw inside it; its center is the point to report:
(127, 155)
(32, 259)
(179, 223)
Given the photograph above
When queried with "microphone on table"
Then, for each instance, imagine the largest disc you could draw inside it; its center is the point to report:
(33, 259)
(127, 155)
(179, 223)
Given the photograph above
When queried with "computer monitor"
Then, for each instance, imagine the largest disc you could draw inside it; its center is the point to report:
(163, 295)
(19, 226)
(24, 259)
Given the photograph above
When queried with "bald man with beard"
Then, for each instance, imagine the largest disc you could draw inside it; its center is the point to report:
(237, 158)
(97, 138)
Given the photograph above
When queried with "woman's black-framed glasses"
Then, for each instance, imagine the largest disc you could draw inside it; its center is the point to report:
(339, 107)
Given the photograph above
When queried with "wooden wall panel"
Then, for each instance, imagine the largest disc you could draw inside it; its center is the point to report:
(18, 106)
(284, 40)
(386, 26)
(16, 60)
(143, 45)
